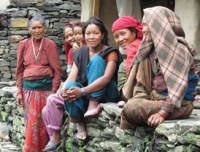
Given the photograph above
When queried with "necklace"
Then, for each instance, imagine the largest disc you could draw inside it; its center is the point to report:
(34, 52)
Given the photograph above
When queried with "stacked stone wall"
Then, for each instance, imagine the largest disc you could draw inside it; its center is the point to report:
(103, 131)
(13, 28)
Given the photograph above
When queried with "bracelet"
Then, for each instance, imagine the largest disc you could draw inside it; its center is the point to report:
(162, 115)
(83, 92)
(19, 92)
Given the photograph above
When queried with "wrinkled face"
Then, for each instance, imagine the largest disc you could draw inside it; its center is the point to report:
(37, 30)
(146, 31)
(93, 35)
(78, 35)
(124, 37)
(69, 36)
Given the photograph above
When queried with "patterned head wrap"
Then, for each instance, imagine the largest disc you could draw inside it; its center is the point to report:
(173, 52)
(128, 22)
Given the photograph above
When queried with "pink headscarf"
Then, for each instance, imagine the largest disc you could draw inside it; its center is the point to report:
(126, 22)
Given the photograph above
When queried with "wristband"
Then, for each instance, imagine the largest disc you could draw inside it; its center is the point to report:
(19, 92)
(162, 115)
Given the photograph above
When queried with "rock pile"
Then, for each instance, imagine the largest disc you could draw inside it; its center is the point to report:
(104, 135)
(103, 131)
(9, 147)
(12, 127)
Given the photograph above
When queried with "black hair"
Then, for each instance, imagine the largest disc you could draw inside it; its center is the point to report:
(132, 29)
(79, 24)
(68, 25)
(102, 28)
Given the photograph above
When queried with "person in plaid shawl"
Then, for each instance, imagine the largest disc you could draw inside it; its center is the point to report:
(161, 83)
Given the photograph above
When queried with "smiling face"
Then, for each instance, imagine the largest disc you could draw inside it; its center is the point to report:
(37, 30)
(69, 36)
(146, 31)
(123, 37)
(93, 36)
(78, 35)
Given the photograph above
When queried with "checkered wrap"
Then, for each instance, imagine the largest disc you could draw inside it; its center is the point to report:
(174, 54)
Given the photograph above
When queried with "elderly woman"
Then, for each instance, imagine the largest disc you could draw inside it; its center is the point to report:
(127, 32)
(38, 75)
(161, 83)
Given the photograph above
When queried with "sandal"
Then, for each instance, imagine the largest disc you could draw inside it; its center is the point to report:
(51, 146)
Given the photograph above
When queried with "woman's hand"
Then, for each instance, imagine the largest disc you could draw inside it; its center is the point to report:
(64, 94)
(71, 94)
(157, 118)
(20, 100)
(74, 93)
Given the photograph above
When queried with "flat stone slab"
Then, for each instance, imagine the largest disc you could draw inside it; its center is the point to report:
(9, 147)
(113, 108)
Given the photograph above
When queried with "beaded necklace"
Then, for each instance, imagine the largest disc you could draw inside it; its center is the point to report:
(34, 52)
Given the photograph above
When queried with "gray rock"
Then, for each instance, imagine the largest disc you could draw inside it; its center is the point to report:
(17, 12)
(4, 63)
(4, 132)
(4, 42)
(93, 132)
(4, 32)
(54, 1)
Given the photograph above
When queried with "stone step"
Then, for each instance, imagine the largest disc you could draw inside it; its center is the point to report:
(9, 147)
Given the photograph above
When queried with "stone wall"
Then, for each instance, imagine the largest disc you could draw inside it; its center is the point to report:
(104, 135)
(103, 130)
(13, 23)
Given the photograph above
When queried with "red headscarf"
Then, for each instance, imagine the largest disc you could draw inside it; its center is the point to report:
(127, 22)
(67, 45)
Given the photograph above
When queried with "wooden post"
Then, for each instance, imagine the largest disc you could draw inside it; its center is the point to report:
(96, 7)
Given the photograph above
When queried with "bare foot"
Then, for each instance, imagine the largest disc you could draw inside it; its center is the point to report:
(94, 108)
(92, 105)
(82, 133)
(121, 104)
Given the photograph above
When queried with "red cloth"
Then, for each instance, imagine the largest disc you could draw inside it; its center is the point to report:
(68, 47)
(70, 23)
(70, 56)
(48, 63)
(36, 133)
(131, 52)
(127, 22)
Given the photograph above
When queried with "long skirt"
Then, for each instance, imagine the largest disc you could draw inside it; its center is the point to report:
(143, 101)
(36, 134)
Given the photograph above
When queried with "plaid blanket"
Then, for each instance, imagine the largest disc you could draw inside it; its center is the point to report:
(174, 54)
